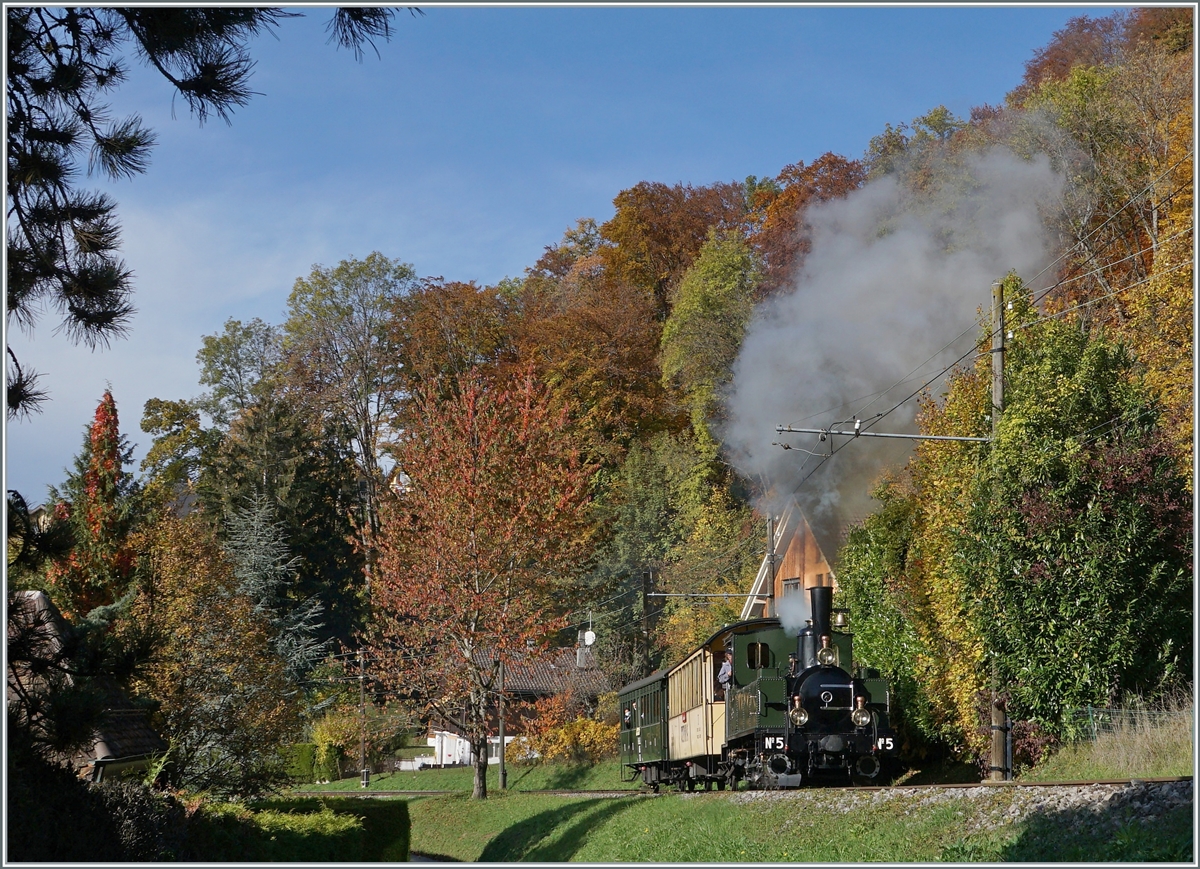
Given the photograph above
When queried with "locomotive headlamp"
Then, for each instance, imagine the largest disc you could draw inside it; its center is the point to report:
(798, 715)
(826, 656)
(861, 716)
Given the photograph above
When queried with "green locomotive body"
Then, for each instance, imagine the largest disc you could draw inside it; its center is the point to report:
(794, 710)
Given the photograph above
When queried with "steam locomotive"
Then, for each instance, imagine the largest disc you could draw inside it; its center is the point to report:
(795, 712)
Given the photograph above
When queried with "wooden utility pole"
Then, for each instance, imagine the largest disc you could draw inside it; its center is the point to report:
(645, 622)
(503, 772)
(769, 609)
(997, 355)
(362, 722)
(1000, 766)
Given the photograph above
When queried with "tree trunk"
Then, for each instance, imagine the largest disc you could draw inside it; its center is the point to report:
(480, 746)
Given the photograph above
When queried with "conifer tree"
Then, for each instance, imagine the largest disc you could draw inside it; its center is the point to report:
(98, 501)
(265, 573)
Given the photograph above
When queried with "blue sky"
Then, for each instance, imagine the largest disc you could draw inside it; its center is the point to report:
(476, 137)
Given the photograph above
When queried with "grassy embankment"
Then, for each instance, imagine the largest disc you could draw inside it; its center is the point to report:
(802, 827)
(1135, 750)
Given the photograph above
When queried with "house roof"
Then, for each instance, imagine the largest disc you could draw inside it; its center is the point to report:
(124, 732)
(561, 670)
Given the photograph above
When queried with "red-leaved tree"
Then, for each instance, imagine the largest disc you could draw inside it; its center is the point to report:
(97, 501)
(479, 548)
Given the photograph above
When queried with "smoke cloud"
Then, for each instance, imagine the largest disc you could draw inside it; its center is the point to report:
(794, 611)
(892, 277)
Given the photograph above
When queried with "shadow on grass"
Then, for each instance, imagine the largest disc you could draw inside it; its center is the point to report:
(1082, 835)
(526, 841)
(568, 777)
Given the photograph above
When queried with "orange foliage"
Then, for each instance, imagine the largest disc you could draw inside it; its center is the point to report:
(658, 230)
(781, 240)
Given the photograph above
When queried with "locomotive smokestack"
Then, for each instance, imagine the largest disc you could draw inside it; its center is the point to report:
(822, 610)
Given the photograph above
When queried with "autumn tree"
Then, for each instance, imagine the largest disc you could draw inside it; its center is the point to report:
(225, 702)
(479, 548)
(63, 63)
(444, 329)
(1083, 41)
(658, 230)
(780, 239)
(593, 340)
(99, 502)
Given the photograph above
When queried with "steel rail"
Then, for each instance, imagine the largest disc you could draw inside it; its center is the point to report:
(617, 793)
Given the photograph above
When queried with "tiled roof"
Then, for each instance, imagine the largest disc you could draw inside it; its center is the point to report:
(553, 674)
(124, 732)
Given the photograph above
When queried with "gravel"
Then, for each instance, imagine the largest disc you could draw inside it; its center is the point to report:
(991, 807)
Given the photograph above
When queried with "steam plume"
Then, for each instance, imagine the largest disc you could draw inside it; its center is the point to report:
(793, 611)
(892, 276)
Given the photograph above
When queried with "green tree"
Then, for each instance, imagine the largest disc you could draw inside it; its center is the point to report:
(241, 367)
(266, 573)
(708, 318)
(63, 62)
(265, 444)
(343, 363)
(1059, 556)
(1081, 527)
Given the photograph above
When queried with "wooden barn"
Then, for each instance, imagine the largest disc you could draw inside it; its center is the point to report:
(801, 561)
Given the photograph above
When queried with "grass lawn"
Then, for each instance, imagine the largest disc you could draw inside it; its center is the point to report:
(811, 826)
(792, 827)
(601, 776)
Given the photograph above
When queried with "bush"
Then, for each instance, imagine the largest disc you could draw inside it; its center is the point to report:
(328, 764)
(300, 760)
(150, 826)
(385, 823)
(583, 740)
(52, 816)
(223, 832)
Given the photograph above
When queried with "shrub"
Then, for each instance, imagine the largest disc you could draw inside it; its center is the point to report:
(300, 760)
(52, 816)
(318, 837)
(149, 825)
(385, 826)
(583, 740)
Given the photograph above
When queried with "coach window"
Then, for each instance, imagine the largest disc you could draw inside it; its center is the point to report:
(758, 656)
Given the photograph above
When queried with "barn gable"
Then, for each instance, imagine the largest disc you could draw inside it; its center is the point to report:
(800, 563)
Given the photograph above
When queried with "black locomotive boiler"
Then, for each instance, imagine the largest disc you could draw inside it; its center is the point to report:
(795, 712)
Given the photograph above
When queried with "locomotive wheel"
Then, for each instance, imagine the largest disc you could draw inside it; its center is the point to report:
(720, 784)
(707, 785)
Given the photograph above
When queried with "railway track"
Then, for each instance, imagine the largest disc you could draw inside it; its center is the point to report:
(613, 793)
